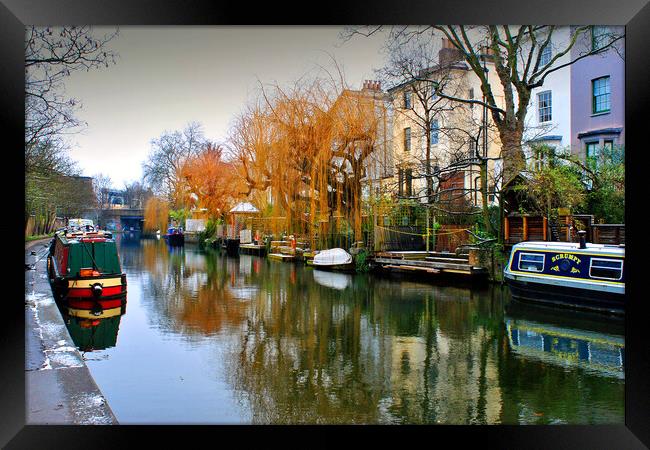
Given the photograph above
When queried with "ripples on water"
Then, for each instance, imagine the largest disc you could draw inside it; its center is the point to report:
(212, 339)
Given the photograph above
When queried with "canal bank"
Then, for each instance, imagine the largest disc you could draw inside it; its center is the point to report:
(59, 388)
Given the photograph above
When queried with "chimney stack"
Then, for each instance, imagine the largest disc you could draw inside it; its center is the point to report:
(448, 54)
(371, 85)
(582, 235)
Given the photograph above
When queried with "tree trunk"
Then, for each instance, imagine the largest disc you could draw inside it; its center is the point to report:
(512, 152)
(484, 197)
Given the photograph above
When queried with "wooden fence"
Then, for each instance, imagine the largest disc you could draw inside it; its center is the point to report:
(450, 237)
(518, 228)
(607, 233)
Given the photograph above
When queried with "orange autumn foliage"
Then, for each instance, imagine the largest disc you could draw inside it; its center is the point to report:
(214, 180)
(309, 146)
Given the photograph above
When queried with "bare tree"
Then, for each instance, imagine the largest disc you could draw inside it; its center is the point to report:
(136, 194)
(101, 186)
(168, 153)
(51, 55)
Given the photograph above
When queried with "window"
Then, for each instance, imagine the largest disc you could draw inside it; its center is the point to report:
(434, 132)
(539, 157)
(608, 145)
(531, 262)
(491, 193)
(608, 269)
(407, 139)
(599, 37)
(600, 95)
(544, 106)
(593, 150)
(407, 100)
(545, 57)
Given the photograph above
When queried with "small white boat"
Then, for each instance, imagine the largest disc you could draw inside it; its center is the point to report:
(334, 259)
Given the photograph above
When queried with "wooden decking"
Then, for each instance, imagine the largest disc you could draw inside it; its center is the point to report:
(437, 263)
(253, 249)
(281, 257)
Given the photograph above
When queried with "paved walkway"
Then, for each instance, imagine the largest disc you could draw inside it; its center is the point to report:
(59, 387)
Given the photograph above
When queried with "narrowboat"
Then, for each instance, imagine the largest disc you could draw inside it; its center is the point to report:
(84, 272)
(175, 236)
(334, 259)
(577, 275)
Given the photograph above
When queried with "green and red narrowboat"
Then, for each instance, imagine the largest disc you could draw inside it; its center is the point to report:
(85, 273)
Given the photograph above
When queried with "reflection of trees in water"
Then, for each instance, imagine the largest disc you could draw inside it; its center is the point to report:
(374, 352)
(190, 292)
(445, 370)
(308, 355)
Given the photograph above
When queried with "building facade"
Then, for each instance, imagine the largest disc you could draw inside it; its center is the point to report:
(598, 93)
(581, 107)
(451, 131)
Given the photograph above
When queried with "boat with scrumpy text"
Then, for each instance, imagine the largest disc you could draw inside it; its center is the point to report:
(84, 271)
(577, 275)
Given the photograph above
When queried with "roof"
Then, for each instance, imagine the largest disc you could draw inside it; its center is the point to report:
(601, 131)
(614, 250)
(244, 207)
(553, 137)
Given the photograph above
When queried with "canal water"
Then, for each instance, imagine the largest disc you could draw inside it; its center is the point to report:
(208, 339)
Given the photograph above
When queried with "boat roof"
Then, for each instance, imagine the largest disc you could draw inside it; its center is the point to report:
(571, 246)
(72, 236)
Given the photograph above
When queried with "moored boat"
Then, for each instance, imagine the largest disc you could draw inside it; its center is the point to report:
(334, 259)
(175, 236)
(577, 275)
(84, 271)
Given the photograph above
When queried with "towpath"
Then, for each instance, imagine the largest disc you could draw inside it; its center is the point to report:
(59, 387)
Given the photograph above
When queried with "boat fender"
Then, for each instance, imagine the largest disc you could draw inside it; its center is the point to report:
(96, 290)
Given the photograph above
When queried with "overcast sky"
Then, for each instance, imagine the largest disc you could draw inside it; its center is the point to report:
(166, 77)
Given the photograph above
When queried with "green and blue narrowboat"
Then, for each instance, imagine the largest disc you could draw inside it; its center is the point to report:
(577, 275)
(85, 273)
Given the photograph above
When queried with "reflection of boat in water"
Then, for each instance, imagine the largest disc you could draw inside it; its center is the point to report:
(93, 333)
(333, 280)
(578, 275)
(334, 259)
(567, 340)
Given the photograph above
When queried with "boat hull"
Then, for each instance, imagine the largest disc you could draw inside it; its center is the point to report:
(349, 267)
(565, 296)
(175, 239)
(232, 247)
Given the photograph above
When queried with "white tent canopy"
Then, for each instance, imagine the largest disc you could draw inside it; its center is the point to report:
(244, 207)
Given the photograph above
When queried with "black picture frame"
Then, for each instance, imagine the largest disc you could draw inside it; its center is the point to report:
(634, 14)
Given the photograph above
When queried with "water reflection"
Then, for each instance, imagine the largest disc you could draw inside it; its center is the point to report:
(93, 333)
(296, 345)
(544, 335)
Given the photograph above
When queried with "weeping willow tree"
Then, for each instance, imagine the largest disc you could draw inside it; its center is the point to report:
(307, 147)
(156, 214)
